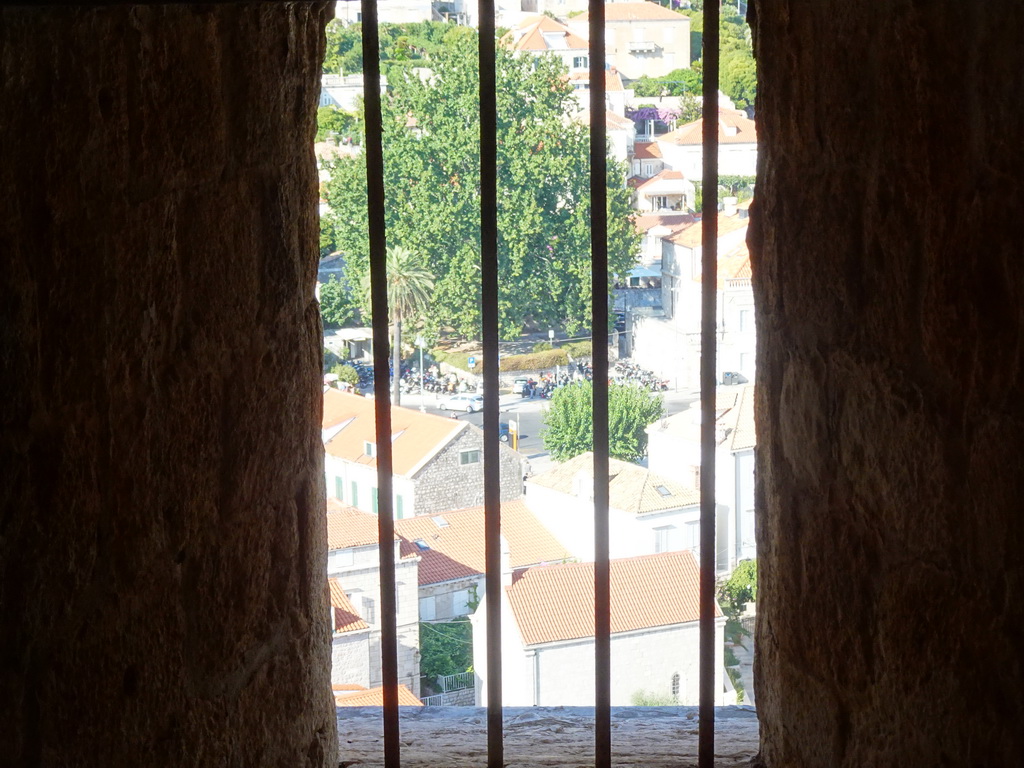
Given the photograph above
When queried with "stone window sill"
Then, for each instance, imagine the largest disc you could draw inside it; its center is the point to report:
(546, 737)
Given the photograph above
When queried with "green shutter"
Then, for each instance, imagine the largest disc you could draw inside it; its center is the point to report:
(339, 489)
(373, 500)
(355, 494)
(398, 506)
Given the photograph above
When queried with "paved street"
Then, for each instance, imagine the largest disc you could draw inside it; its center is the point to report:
(530, 417)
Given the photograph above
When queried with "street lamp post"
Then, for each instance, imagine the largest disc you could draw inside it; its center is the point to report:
(421, 342)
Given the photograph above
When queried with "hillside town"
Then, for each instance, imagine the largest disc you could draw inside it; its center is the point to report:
(655, 247)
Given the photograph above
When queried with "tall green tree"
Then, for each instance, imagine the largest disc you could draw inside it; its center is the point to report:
(409, 289)
(432, 187)
(570, 426)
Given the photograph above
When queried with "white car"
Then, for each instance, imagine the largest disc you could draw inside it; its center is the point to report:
(466, 401)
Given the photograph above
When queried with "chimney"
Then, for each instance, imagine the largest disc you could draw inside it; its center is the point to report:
(506, 563)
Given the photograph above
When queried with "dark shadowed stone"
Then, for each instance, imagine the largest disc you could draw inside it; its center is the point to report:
(161, 529)
(886, 249)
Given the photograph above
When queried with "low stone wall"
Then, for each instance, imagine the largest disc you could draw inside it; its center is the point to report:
(547, 737)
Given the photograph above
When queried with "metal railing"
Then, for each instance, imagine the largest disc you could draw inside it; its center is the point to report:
(599, 319)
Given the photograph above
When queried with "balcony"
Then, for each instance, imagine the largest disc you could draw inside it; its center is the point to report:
(544, 737)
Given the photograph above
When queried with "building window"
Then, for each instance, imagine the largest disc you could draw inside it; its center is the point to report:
(369, 449)
(675, 685)
(339, 489)
(580, 62)
(427, 609)
(373, 500)
(746, 320)
(355, 494)
(469, 457)
(460, 603)
(399, 511)
(663, 536)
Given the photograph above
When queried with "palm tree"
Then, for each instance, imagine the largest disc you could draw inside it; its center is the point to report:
(409, 285)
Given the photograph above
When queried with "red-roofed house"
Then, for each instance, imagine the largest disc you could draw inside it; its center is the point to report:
(674, 443)
(665, 192)
(547, 648)
(353, 570)
(437, 462)
(682, 148)
(646, 160)
(345, 696)
(642, 38)
(648, 512)
(677, 325)
(544, 35)
(451, 553)
(350, 640)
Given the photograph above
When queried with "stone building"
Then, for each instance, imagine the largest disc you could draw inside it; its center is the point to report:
(547, 633)
(353, 569)
(162, 477)
(451, 552)
(437, 462)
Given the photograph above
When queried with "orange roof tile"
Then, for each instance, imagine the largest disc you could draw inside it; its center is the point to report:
(646, 150)
(692, 235)
(732, 265)
(612, 80)
(345, 617)
(456, 541)
(556, 602)
(665, 175)
(734, 127)
(532, 38)
(611, 120)
(416, 437)
(349, 527)
(375, 698)
(636, 12)
(631, 488)
(674, 221)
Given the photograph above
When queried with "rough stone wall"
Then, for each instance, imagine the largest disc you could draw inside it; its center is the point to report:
(888, 268)
(162, 555)
(444, 484)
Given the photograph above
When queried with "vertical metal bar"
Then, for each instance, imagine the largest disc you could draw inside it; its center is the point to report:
(374, 151)
(708, 384)
(599, 321)
(489, 321)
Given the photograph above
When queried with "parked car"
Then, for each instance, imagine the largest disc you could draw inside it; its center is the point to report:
(503, 433)
(465, 401)
(518, 385)
(733, 377)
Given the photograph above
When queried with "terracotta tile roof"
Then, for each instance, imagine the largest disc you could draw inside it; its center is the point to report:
(674, 221)
(692, 235)
(732, 265)
(744, 429)
(556, 602)
(631, 488)
(456, 541)
(345, 617)
(734, 407)
(612, 81)
(416, 437)
(646, 150)
(665, 175)
(375, 698)
(635, 181)
(734, 127)
(636, 12)
(349, 527)
(531, 35)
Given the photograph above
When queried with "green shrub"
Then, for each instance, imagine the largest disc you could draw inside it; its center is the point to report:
(535, 361)
(445, 649)
(577, 349)
(644, 698)
(347, 373)
(542, 346)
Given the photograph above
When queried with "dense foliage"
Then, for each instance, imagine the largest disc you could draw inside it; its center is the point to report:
(740, 587)
(569, 421)
(337, 306)
(400, 45)
(737, 77)
(432, 187)
(445, 648)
